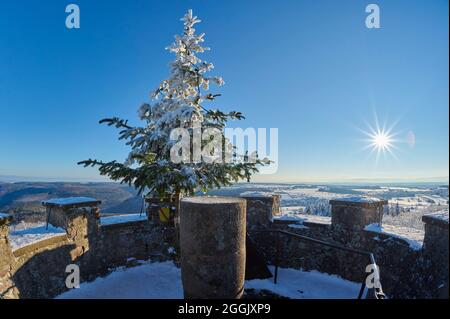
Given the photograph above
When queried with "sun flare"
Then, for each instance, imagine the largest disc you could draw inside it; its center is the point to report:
(380, 140)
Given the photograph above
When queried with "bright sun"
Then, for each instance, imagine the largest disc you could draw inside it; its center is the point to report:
(381, 140)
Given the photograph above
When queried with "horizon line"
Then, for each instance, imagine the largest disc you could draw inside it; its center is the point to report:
(381, 180)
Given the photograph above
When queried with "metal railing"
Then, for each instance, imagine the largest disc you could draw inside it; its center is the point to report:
(377, 292)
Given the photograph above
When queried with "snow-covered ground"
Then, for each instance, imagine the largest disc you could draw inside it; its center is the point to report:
(24, 234)
(163, 281)
(413, 237)
(147, 281)
(298, 284)
(406, 206)
(118, 219)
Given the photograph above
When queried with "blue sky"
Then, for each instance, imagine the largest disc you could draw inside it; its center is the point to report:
(309, 68)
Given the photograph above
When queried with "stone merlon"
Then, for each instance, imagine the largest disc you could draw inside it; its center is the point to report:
(438, 219)
(356, 212)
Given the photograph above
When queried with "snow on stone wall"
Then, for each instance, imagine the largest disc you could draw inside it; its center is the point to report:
(82, 240)
(406, 270)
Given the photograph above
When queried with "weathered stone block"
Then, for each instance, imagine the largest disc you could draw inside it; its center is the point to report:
(436, 250)
(7, 287)
(354, 213)
(261, 209)
(212, 238)
(64, 212)
(5, 249)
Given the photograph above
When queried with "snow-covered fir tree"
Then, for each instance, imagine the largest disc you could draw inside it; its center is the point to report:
(179, 102)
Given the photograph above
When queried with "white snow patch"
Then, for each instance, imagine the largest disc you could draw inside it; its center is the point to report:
(419, 200)
(24, 234)
(292, 209)
(441, 215)
(70, 200)
(148, 281)
(302, 192)
(360, 199)
(163, 281)
(3, 215)
(300, 284)
(290, 215)
(119, 219)
(412, 236)
(256, 194)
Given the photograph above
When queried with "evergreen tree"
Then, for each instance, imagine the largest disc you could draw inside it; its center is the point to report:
(178, 102)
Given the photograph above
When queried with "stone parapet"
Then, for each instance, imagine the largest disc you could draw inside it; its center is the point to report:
(7, 287)
(436, 250)
(355, 213)
(261, 209)
(38, 270)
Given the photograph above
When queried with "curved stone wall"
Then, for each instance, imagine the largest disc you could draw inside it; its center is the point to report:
(38, 270)
(407, 271)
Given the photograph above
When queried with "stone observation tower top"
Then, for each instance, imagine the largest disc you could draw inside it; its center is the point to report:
(71, 202)
(208, 200)
(438, 218)
(359, 201)
(356, 212)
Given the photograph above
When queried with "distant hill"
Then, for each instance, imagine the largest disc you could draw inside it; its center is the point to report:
(24, 198)
(130, 205)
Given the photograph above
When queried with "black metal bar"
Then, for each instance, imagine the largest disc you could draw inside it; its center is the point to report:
(142, 206)
(318, 241)
(49, 210)
(275, 277)
(277, 259)
(372, 258)
(378, 291)
(325, 243)
(361, 291)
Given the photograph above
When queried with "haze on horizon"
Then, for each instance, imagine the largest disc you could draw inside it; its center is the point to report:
(257, 179)
(315, 72)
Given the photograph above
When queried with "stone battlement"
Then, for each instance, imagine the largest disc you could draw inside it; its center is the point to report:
(408, 268)
(38, 270)
(413, 264)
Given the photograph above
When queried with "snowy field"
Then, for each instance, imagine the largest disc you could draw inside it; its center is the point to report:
(163, 281)
(300, 202)
(406, 205)
(414, 237)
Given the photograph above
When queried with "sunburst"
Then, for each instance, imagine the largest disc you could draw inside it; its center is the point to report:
(381, 140)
